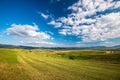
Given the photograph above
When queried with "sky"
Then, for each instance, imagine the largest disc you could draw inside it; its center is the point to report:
(60, 23)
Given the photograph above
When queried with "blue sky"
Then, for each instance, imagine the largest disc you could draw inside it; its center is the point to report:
(60, 23)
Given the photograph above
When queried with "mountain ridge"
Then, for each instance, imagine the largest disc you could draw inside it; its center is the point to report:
(31, 47)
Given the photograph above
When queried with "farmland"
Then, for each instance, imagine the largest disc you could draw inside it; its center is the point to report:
(45, 64)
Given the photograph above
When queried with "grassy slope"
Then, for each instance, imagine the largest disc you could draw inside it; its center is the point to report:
(18, 64)
(8, 56)
(89, 55)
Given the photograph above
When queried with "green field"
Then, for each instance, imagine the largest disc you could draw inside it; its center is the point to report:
(43, 64)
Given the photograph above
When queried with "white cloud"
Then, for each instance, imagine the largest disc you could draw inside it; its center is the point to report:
(49, 43)
(81, 23)
(44, 16)
(107, 26)
(64, 31)
(26, 31)
(78, 42)
(108, 43)
(39, 43)
(56, 24)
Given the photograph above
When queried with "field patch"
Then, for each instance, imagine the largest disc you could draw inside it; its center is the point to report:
(97, 55)
(8, 56)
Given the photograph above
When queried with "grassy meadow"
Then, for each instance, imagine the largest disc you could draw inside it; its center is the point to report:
(43, 64)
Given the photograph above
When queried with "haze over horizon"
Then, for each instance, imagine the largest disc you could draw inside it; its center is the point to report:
(60, 23)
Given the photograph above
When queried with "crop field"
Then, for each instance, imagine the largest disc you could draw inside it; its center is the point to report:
(45, 64)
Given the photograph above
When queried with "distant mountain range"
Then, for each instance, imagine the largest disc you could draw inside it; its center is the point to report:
(14, 46)
(57, 48)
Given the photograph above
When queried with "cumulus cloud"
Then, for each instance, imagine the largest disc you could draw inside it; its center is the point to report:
(56, 24)
(26, 31)
(92, 20)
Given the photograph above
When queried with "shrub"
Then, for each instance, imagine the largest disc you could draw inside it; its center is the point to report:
(71, 57)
